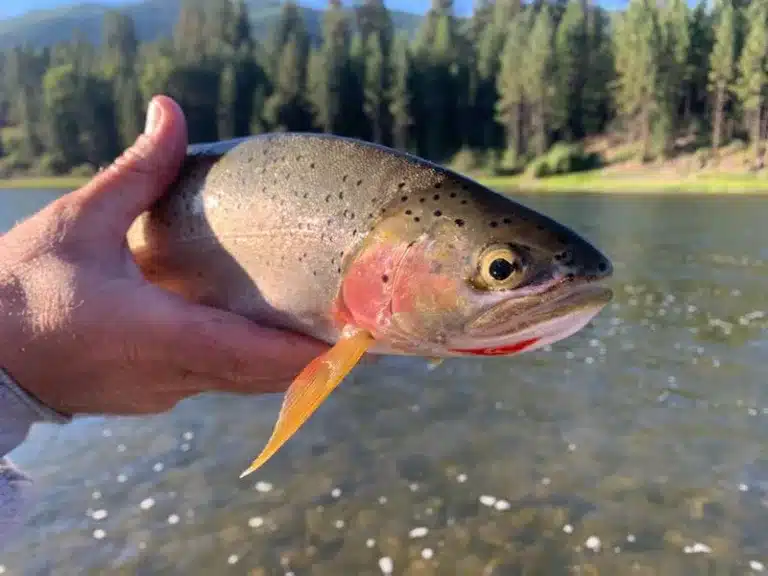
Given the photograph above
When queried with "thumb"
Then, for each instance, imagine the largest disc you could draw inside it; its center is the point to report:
(143, 172)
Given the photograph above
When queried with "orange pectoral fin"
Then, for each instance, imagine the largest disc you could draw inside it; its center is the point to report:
(311, 388)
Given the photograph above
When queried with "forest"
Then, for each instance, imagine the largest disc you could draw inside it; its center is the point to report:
(498, 91)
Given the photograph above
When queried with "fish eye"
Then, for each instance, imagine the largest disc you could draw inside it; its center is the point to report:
(499, 267)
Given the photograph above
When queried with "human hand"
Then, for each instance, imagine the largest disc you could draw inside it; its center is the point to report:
(84, 332)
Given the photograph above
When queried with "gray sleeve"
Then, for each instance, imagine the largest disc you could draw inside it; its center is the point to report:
(18, 412)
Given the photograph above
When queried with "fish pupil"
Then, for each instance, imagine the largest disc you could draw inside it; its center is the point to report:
(501, 269)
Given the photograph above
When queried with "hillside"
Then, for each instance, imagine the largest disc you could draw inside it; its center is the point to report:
(153, 18)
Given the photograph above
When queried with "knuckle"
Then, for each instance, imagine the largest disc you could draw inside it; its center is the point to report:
(139, 159)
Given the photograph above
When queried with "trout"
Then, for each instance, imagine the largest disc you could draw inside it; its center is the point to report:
(368, 249)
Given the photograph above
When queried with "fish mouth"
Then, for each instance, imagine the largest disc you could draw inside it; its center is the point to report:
(524, 324)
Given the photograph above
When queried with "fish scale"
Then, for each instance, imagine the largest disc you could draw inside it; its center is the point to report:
(369, 249)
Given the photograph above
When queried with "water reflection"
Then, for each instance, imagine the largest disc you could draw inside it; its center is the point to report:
(635, 446)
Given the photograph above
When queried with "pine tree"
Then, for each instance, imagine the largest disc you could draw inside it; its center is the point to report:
(753, 66)
(227, 103)
(189, 33)
(288, 108)
(119, 57)
(636, 42)
(331, 73)
(511, 87)
(722, 66)
(538, 77)
(375, 82)
(571, 57)
(400, 106)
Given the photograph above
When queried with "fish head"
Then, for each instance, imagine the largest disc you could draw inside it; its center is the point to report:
(466, 271)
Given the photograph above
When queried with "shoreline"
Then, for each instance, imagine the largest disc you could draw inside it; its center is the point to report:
(600, 182)
(43, 183)
(593, 182)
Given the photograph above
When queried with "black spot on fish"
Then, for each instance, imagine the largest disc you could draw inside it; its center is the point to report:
(345, 213)
(312, 165)
(383, 210)
(341, 195)
(354, 232)
(493, 224)
(351, 215)
(370, 216)
(401, 185)
(409, 212)
(452, 194)
(439, 185)
(306, 194)
(463, 201)
(344, 178)
(422, 200)
(416, 219)
(359, 182)
(298, 158)
(314, 272)
(328, 198)
(437, 213)
(338, 270)
(459, 222)
(436, 197)
(507, 221)
(385, 278)
(404, 199)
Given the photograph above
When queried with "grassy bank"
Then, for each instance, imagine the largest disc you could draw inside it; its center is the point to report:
(592, 181)
(599, 181)
(44, 182)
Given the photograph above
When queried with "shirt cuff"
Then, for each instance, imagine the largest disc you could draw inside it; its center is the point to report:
(19, 410)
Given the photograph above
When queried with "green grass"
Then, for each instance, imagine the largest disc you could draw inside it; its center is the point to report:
(592, 181)
(43, 182)
(596, 181)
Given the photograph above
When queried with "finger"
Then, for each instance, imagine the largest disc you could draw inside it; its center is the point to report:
(116, 196)
(233, 353)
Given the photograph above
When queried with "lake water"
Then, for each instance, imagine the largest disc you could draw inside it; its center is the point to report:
(639, 445)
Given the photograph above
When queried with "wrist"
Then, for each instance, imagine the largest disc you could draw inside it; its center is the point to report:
(14, 333)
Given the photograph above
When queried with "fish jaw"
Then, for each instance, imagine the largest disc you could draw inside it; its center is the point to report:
(536, 327)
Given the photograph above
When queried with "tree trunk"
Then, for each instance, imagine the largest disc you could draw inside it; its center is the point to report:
(645, 131)
(756, 126)
(717, 126)
(541, 133)
(763, 126)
